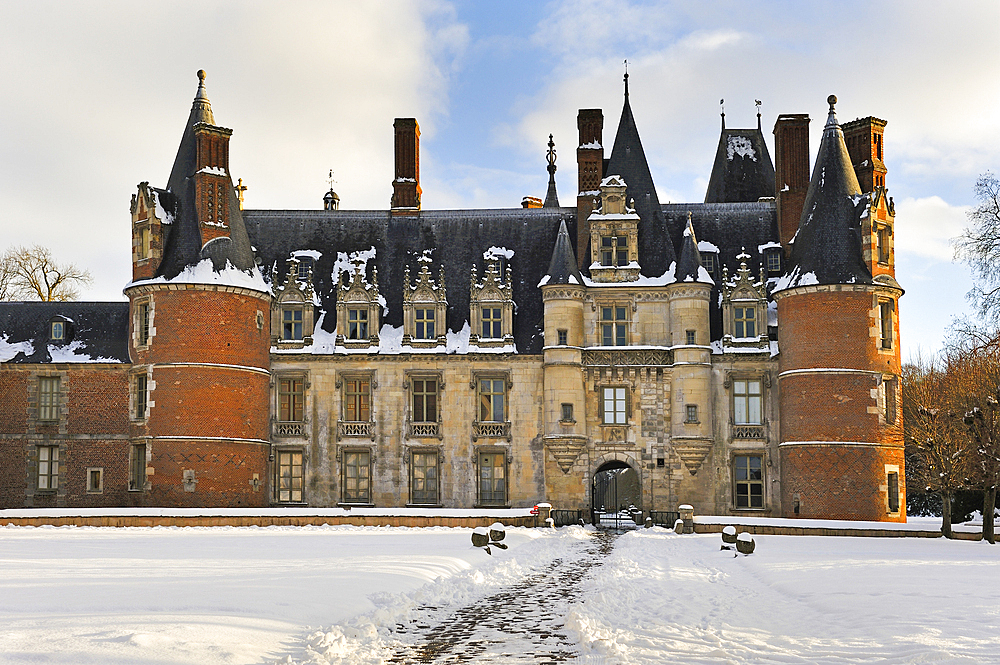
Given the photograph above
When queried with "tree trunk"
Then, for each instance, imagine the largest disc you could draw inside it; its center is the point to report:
(946, 514)
(989, 503)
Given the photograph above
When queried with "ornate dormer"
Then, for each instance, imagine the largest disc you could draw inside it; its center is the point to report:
(425, 305)
(744, 308)
(358, 309)
(151, 209)
(877, 229)
(292, 310)
(492, 307)
(614, 235)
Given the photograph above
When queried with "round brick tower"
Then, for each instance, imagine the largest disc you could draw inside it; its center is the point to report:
(841, 444)
(200, 333)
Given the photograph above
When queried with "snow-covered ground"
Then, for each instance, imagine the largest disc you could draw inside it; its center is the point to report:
(336, 594)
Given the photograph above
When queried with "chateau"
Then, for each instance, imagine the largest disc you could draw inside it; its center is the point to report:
(740, 354)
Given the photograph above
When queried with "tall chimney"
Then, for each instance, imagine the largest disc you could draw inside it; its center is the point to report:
(791, 177)
(406, 184)
(589, 170)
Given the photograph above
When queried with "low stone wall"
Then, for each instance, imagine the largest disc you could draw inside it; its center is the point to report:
(771, 530)
(269, 520)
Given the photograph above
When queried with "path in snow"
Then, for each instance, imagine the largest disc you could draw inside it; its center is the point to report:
(524, 623)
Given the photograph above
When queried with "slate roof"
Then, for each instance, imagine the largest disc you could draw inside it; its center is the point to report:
(562, 267)
(628, 160)
(458, 239)
(827, 247)
(183, 244)
(743, 171)
(94, 330)
(689, 266)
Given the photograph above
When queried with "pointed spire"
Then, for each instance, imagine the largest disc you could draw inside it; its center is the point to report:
(689, 268)
(201, 103)
(562, 267)
(551, 198)
(827, 248)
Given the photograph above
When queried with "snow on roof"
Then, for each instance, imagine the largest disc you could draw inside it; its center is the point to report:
(768, 245)
(202, 273)
(740, 145)
(496, 252)
(706, 246)
(69, 354)
(346, 261)
(10, 349)
(311, 253)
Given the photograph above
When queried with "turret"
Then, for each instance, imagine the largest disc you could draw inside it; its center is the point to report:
(200, 314)
(841, 429)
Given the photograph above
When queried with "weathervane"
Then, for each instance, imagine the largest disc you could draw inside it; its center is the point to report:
(331, 180)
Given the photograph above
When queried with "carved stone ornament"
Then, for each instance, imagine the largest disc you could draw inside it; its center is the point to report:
(692, 452)
(565, 450)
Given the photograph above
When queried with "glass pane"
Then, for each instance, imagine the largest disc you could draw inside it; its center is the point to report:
(754, 410)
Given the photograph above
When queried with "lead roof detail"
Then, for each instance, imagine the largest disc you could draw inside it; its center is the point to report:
(827, 247)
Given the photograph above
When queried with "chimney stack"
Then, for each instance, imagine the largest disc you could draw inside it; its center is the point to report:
(590, 171)
(791, 162)
(406, 184)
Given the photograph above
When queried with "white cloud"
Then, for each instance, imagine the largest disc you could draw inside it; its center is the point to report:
(925, 227)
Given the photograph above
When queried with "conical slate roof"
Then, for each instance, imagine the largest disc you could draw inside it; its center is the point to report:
(629, 161)
(183, 244)
(743, 171)
(827, 247)
(689, 268)
(562, 267)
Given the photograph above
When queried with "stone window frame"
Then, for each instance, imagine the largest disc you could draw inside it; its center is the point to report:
(883, 244)
(888, 490)
(290, 427)
(50, 468)
(761, 482)
(888, 399)
(410, 459)
(628, 307)
(138, 460)
(91, 489)
(143, 330)
(426, 294)
(356, 428)
(291, 452)
(295, 296)
(49, 399)
(494, 292)
(691, 337)
(58, 331)
(734, 397)
(566, 413)
(709, 261)
(342, 458)
(507, 462)
(883, 306)
(612, 252)
(140, 388)
(614, 220)
(562, 336)
(772, 260)
(691, 414)
(491, 429)
(358, 294)
(423, 428)
(744, 292)
(602, 402)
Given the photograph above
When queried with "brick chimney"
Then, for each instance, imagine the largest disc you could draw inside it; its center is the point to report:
(590, 170)
(791, 177)
(406, 183)
(212, 183)
(864, 144)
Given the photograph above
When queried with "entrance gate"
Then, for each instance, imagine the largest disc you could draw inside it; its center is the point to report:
(616, 496)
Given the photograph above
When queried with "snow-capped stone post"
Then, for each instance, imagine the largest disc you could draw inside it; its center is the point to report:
(542, 513)
(745, 543)
(687, 516)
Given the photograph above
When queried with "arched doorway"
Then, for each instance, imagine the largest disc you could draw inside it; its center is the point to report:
(616, 496)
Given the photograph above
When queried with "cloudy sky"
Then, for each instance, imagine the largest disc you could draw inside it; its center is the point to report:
(95, 95)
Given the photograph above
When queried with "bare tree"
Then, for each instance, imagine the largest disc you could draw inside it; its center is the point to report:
(31, 272)
(937, 440)
(979, 246)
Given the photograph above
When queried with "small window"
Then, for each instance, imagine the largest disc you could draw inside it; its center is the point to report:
(614, 251)
(882, 244)
(660, 462)
(747, 405)
(291, 400)
(142, 251)
(885, 323)
(424, 323)
(357, 476)
(614, 325)
(424, 477)
(567, 413)
(137, 467)
(142, 323)
(357, 323)
(305, 267)
(139, 393)
(357, 400)
(562, 334)
(744, 322)
(691, 413)
(774, 261)
(48, 398)
(57, 332)
(492, 328)
(708, 261)
(425, 395)
(95, 480)
(748, 475)
(290, 476)
(291, 324)
(889, 404)
(492, 400)
(492, 479)
(614, 403)
(892, 480)
(690, 338)
(48, 467)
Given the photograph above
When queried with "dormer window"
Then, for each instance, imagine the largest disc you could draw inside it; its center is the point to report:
(744, 307)
(423, 323)
(357, 323)
(291, 323)
(774, 261)
(614, 251)
(305, 268)
(57, 331)
(744, 322)
(614, 235)
(882, 244)
(492, 307)
(492, 320)
(708, 262)
(358, 309)
(292, 310)
(425, 306)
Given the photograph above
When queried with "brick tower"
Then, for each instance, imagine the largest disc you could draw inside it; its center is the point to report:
(199, 335)
(841, 432)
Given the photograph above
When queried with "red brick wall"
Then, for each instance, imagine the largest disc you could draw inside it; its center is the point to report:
(98, 401)
(828, 407)
(13, 401)
(223, 469)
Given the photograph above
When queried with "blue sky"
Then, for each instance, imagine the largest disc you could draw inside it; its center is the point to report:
(96, 95)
